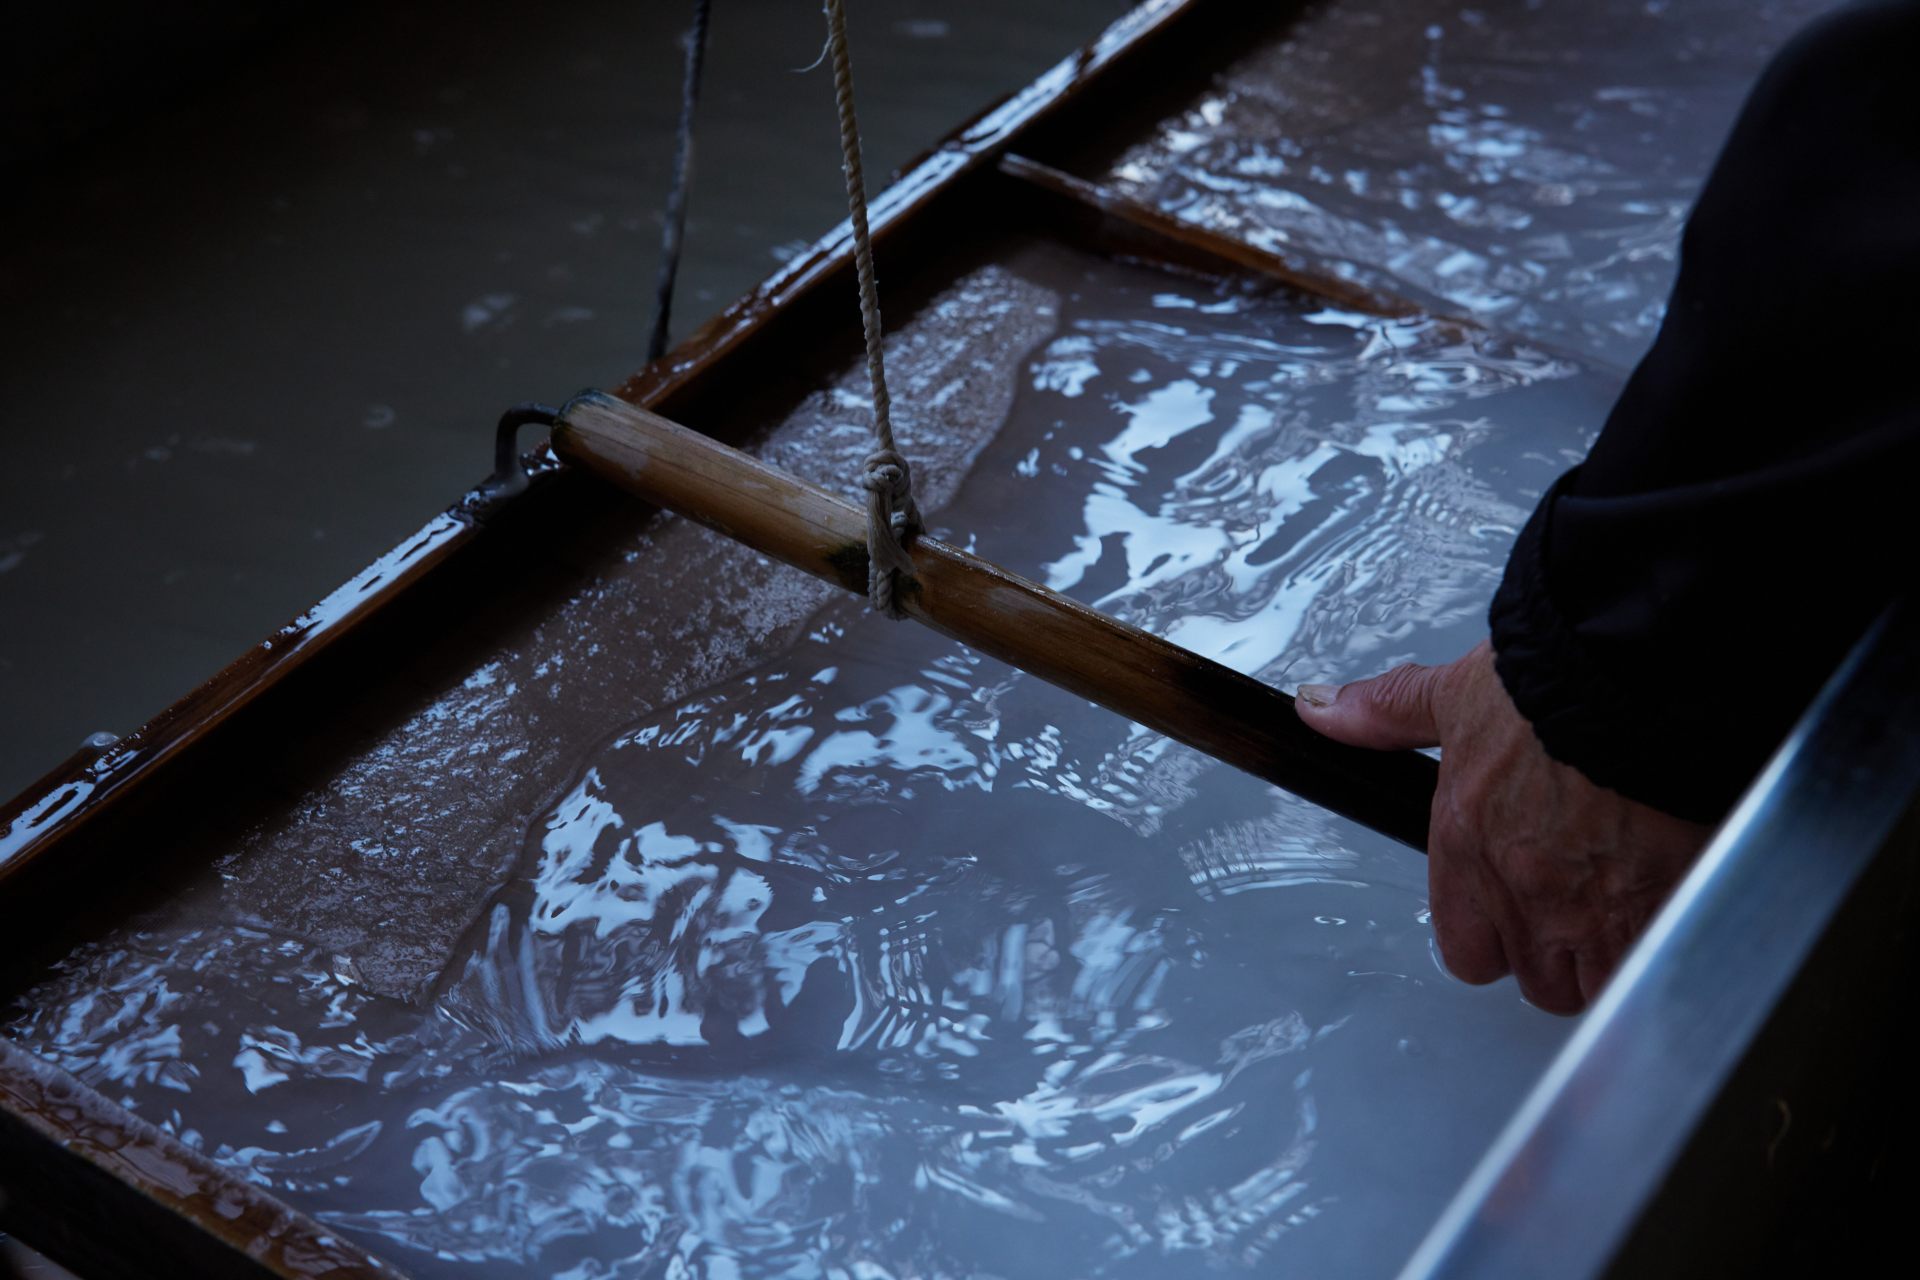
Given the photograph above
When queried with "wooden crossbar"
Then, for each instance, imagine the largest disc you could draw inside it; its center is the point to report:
(1190, 698)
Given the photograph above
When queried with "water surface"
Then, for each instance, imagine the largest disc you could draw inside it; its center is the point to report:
(876, 958)
(1527, 162)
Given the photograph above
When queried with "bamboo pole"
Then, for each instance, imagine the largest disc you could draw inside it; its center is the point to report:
(1171, 690)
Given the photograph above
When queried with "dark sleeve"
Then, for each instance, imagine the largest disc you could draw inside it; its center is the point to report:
(1754, 500)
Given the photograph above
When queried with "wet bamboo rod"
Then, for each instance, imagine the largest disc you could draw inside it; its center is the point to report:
(1171, 690)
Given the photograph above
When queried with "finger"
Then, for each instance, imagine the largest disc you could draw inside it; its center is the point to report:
(1470, 945)
(1596, 963)
(1545, 970)
(1593, 972)
(1551, 982)
(1389, 712)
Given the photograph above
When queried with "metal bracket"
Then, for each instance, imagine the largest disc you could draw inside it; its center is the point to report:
(509, 479)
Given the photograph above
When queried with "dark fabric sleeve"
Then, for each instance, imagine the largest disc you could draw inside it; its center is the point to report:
(1754, 499)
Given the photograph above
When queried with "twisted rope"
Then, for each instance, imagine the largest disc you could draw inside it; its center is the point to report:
(673, 234)
(892, 517)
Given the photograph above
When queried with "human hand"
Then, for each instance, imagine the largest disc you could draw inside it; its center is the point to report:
(1532, 869)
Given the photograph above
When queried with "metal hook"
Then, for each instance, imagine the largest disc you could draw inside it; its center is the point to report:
(509, 478)
(509, 472)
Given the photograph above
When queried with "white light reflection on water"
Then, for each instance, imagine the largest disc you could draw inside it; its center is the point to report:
(1529, 163)
(885, 960)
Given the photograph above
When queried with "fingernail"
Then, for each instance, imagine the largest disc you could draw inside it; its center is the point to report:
(1318, 695)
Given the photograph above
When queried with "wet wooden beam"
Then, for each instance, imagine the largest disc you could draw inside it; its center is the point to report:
(105, 1193)
(936, 176)
(1186, 243)
(1173, 691)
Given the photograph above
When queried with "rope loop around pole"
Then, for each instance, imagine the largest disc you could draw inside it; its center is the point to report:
(892, 517)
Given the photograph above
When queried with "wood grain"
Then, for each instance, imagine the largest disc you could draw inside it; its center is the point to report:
(1171, 690)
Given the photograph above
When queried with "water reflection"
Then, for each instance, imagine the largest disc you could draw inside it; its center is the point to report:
(1530, 163)
(885, 960)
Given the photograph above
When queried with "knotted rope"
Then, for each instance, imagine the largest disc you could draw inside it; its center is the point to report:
(892, 517)
(674, 231)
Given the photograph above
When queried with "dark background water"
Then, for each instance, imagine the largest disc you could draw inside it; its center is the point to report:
(268, 281)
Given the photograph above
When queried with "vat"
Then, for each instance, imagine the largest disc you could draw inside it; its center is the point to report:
(574, 894)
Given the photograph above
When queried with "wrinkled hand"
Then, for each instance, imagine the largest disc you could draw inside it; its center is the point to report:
(1532, 870)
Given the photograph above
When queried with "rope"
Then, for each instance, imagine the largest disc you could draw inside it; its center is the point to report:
(892, 517)
(673, 234)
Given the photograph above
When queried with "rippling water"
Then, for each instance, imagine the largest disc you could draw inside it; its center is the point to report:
(884, 960)
(1527, 161)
